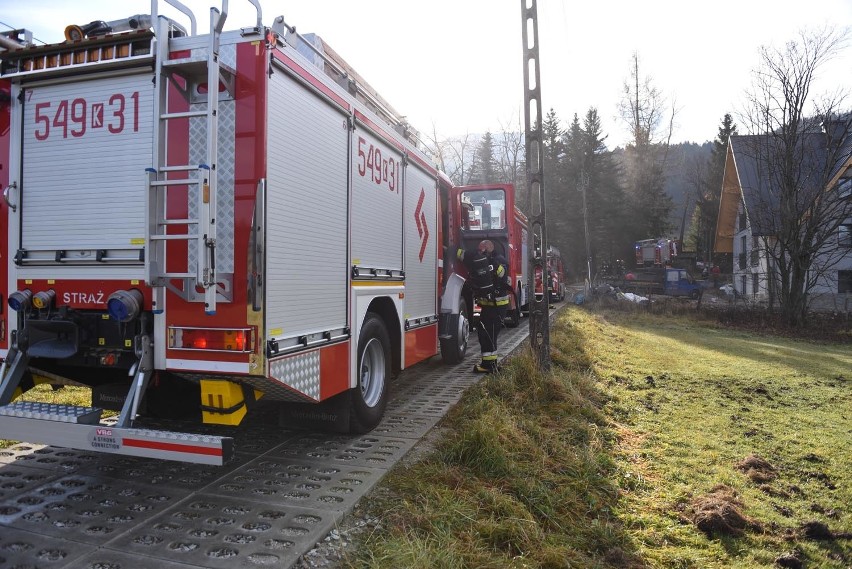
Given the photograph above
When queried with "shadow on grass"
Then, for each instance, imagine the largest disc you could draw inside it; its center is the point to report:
(828, 360)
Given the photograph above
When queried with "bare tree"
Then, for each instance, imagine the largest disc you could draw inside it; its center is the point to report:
(800, 147)
(454, 156)
(642, 109)
(437, 147)
(511, 151)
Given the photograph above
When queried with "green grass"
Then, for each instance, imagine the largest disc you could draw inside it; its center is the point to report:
(44, 393)
(602, 462)
(692, 400)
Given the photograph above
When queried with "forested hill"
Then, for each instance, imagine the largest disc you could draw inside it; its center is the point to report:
(681, 167)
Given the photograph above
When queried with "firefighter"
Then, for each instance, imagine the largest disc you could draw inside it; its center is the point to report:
(489, 277)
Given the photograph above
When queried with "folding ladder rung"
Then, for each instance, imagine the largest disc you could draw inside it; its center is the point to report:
(179, 168)
(178, 275)
(183, 115)
(175, 237)
(182, 182)
(178, 222)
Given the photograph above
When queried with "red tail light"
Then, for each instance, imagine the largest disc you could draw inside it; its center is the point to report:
(211, 339)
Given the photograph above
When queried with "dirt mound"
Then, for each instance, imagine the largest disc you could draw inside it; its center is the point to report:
(758, 469)
(790, 561)
(815, 530)
(718, 513)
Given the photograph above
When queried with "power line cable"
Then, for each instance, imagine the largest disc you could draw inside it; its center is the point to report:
(14, 28)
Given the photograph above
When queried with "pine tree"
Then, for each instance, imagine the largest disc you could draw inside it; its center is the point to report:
(605, 197)
(556, 190)
(484, 168)
(567, 227)
(645, 158)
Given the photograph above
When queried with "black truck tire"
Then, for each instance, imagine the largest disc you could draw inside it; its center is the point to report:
(370, 396)
(454, 348)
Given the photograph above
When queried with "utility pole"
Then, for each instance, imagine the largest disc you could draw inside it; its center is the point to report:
(539, 315)
(584, 184)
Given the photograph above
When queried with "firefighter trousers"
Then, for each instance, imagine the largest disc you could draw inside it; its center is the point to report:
(490, 323)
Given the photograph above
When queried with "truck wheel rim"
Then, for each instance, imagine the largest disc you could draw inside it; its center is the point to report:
(372, 372)
(463, 331)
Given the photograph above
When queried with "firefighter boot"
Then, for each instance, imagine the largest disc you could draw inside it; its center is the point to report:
(487, 365)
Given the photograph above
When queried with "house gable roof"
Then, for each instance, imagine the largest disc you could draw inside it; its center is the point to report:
(753, 175)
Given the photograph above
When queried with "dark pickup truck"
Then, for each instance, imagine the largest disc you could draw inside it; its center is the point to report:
(659, 280)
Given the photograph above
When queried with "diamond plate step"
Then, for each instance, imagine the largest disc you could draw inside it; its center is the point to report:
(168, 445)
(52, 412)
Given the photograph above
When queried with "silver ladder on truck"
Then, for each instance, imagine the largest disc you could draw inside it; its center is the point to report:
(83, 427)
(197, 181)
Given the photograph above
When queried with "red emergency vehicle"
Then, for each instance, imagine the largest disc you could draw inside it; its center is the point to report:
(197, 220)
(656, 252)
(489, 212)
(556, 276)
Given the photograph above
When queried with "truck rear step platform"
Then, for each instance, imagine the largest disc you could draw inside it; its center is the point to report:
(37, 423)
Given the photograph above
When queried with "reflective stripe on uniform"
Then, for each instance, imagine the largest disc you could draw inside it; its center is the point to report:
(499, 301)
(491, 358)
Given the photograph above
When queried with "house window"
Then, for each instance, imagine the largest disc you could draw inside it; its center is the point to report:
(844, 187)
(743, 283)
(742, 255)
(754, 283)
(844, 237)
(844, 282)
(742, 221)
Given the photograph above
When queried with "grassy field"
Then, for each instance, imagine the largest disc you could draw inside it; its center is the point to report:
(654, 441)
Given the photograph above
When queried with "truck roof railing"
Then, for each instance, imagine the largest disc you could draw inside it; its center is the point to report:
(184, 9)
(12, 40)
(19, 56)
(104, 51)
(155, 12)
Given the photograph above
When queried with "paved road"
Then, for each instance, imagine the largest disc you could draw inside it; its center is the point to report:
(282, 494)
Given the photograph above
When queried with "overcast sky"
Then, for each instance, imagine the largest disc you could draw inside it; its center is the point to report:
(456, 64)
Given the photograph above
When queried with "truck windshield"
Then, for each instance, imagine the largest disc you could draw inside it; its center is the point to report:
(486, 209)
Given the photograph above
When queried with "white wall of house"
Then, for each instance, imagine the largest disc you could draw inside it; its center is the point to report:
(831, 291)
(751, 278)
(750, 261)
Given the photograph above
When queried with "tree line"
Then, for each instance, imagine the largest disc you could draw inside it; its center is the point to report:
(599, 201)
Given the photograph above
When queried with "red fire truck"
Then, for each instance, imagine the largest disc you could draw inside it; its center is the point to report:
(197, 220)
(556, 274)
(489, 212)
(655, 252)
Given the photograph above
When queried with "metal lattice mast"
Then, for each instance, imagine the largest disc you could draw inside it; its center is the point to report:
(539, 316)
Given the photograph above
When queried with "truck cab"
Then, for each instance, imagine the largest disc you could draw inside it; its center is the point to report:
(489, 212)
